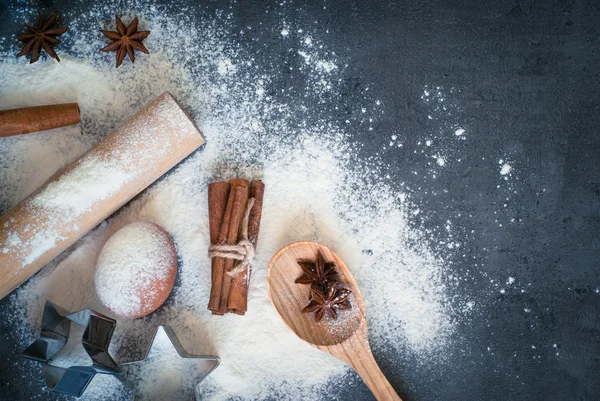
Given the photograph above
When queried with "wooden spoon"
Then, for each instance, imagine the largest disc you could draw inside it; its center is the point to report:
(345, 338)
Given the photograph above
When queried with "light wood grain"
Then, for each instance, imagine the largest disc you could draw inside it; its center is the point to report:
(345, 338)
(150, 144)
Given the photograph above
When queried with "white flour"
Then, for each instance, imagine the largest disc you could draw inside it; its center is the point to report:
(133, 269)
(78, 190)
(317, 188)
(39, 244)
(505, 169)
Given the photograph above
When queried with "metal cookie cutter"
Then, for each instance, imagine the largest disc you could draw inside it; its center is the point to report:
(203, 365)
(56, 325)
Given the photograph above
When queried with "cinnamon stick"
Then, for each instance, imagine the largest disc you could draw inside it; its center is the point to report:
(238, 293)
(239, 189)
(40, 118)
(218, 194)
(257, 191)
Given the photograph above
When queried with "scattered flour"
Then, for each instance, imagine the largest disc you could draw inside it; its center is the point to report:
(63, 201)
(226, 67)
(317, 188)
(505, 169)
(40, 243)
(73, 353)
(326, 66)
(78, 190)
(13, 240)
(170, 385)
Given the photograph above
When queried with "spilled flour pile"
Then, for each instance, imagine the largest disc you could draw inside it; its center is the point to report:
(316, 189)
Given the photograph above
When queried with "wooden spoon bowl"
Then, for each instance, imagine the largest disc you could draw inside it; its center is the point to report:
(345, 337)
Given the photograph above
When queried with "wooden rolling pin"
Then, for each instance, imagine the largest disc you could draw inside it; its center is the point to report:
(40, 118)
(78, 198)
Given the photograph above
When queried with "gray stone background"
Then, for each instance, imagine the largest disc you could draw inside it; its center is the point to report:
(527, 74)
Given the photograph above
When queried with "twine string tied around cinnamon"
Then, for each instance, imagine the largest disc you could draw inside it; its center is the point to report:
(243, 251)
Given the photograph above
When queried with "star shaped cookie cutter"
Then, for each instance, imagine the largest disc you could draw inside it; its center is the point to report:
(56, 326)
(164, 337)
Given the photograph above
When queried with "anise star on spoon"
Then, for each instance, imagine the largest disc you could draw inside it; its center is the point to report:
(333, 300)
(317, 273)
(43, 35)
(126, 40)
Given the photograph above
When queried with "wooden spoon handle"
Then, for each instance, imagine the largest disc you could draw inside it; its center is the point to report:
(360, 358)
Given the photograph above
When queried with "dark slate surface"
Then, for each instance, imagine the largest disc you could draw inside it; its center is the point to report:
(524, 79)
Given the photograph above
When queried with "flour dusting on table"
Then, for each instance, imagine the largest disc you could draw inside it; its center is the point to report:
(78, 190)
(317, 188)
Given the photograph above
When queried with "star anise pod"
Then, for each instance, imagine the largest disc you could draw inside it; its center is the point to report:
(317, 273)
(43, 35)
(329, 303)
(126, 40)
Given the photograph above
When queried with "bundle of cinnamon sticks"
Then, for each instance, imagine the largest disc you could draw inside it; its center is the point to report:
(227, 202)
